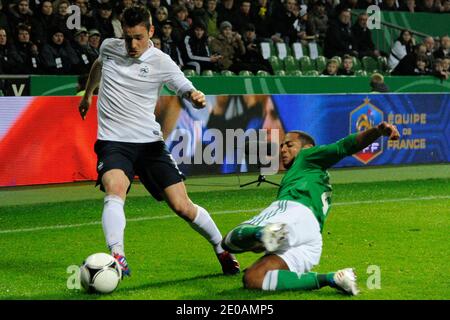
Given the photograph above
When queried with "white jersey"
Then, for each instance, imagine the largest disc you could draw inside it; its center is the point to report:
(129, 90)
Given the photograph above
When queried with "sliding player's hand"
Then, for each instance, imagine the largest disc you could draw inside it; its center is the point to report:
(84, 106)
(198, 99)
(389, 130)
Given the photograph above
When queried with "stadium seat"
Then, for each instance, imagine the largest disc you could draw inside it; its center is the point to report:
(290, 64)
(227, 73)
(306, 64)
(312, 73)
(361, 73)
(245, 73)
(356, 64)
(339, 59)
(280, 73)
(320, 63)
(297, 50)
(382, 64)
(263, 73)
(283, 50)
(369, 64)
(314, 50)
(295, 73)
(189, 72)
(208, 73)
(275, 63)
(267, 50)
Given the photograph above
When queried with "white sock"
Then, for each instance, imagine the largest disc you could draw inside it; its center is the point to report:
(204, 224)
(270, 280)
(113, 221)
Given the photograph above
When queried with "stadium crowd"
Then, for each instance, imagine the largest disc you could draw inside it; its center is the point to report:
(36, 36)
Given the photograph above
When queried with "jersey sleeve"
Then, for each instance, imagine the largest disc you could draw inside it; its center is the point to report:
(104, 47)
(327, 155)
(174, 78)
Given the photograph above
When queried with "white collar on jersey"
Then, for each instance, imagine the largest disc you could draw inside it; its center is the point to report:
(147, 52)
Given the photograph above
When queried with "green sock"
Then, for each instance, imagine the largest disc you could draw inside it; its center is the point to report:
(288, 280)
(242, 238)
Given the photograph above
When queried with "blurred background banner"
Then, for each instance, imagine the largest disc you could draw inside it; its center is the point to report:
(43, 139)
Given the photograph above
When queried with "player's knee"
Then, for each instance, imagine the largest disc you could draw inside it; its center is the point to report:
(184, 208)
(116, 187)
(253, 278)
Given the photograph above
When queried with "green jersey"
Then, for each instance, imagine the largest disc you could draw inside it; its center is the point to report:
(307, 180)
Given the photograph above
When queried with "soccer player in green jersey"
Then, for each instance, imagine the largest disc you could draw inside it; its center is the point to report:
(289, 230)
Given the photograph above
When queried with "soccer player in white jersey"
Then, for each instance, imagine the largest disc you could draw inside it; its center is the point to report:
(131, 73)
(289, 230)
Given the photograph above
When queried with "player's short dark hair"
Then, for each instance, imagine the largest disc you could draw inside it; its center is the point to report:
(304, 137)
(135, 16)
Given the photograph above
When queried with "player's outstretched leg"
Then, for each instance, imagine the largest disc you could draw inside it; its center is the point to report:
(343, 280)
(200, 220)
(204, 225)
(247, 237)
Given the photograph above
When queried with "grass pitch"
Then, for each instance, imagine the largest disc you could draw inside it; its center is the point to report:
(394, 218)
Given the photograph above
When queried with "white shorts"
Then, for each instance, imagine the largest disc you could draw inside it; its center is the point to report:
(304, 237)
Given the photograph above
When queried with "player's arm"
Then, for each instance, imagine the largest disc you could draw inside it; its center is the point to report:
(367, 137)
(327, 155)
(92, 83)
(196, 97)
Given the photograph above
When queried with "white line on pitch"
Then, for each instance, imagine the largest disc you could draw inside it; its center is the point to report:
(349, 203)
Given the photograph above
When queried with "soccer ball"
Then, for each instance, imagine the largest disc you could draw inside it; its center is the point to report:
(101, 273)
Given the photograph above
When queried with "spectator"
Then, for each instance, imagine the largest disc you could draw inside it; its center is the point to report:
(444, 49)
(42, 21)
(347, 66)
(319, 20)
(106, 23)
(243, 16)
(302, 30)
(253, 57)
(61, 16)
(85, 54)
(408, 5)
(445, 6)
(95, 40)
(446, 64)
(4, 19)
(211, 18)
(28, 52)
(407, 65)
(339, 38)
(226, 11)
(9, 58)
(389, 5)
(402, 46)
(429, 44)
(58, 56)
(231, 48)
(332, 68)
(19, 13)
(262, 15)
(152, 6)
(284, 19)
(427, 6)
(438, 70)
(87, 20)
(162, 14)
(156, 42)
(421, 68)
(168, 45)
(377, 84)
(362, 37)
(196, 52)
(198, 12)
(180, 23)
